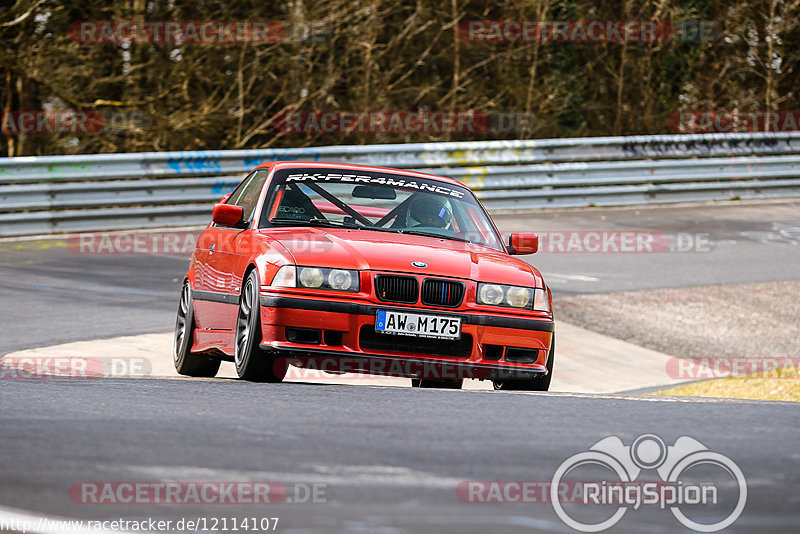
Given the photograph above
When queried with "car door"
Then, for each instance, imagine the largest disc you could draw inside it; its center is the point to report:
(230, 252)
(202, 294)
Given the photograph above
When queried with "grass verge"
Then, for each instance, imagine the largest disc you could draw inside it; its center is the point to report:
(781, 385)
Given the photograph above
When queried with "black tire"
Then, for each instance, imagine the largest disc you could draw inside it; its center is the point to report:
(187, 362)
(537, 383)
(252, 363)
(441, 384)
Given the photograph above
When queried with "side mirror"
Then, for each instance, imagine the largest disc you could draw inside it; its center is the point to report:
(523, 243)
(228, 215)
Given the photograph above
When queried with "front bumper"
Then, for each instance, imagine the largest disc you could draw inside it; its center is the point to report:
(338, 335)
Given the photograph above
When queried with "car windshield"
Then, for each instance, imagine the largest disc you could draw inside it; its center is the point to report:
(377, 201)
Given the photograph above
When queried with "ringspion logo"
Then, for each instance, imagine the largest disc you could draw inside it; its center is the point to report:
(688, 499)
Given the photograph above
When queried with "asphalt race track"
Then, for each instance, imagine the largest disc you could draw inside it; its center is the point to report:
(390, 459)
(383, 459)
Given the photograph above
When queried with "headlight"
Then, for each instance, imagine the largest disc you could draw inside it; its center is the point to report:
(518, 297)
(512, 296)
(317, 278)
(311, 277)
(340, 280)
(490, 294)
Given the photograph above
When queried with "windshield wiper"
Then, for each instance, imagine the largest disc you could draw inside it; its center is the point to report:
(433, 234)
(314, 221)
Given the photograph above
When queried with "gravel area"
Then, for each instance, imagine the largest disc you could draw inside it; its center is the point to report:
(709, 321)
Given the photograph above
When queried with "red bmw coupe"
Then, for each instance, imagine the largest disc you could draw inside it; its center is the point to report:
(350, 268)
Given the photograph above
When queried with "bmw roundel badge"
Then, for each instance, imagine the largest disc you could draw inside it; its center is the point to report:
(419, 264)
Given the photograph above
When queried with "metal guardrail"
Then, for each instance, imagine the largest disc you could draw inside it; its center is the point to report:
(49, 194)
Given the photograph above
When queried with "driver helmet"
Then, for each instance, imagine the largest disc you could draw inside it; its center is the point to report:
(430, 211)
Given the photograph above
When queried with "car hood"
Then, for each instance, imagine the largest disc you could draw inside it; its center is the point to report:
(385, 251)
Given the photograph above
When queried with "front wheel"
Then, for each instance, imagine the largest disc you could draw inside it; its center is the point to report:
(537, 383)
(252, 363)
(187, 362)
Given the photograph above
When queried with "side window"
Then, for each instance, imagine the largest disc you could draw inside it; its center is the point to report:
(239, 188)
(247, 193)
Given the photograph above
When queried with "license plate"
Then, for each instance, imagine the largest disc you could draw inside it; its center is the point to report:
(413, 324)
